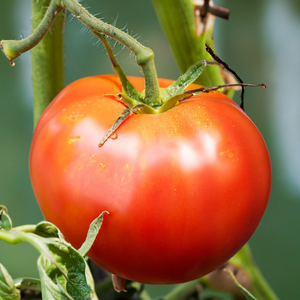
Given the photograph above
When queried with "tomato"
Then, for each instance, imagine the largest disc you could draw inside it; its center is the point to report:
(185, 189)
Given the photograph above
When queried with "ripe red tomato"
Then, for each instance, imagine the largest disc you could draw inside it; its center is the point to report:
(185, 189)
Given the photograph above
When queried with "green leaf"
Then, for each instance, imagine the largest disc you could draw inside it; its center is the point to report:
(47, 230)
(8, 290)
(28, 284)
(69, 269)
(62, 290)
(246, 293)
(64, 272)
(50, 290)
(92, 234)
(5, 221)
(90, 281)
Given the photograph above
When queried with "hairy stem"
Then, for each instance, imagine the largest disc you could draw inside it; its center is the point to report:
(144, 56)
(42, 22)
(14, 48)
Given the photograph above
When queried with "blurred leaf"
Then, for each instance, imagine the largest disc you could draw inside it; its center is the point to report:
(3, 208)
(8, 290)
(210, 294)
(5, 221)
(28, 284)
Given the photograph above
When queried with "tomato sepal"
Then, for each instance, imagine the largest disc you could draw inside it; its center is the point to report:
(92, 234)
(183, 81)
(169, 96)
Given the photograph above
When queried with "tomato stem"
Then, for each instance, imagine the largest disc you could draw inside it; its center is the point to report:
(47, 56)
(14, 48)
(126, 85)
(144, 55)
(182, 290)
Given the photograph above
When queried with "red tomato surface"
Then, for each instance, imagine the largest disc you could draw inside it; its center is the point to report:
(185, 189)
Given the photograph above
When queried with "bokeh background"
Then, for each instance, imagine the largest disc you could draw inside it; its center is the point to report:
(261, 42)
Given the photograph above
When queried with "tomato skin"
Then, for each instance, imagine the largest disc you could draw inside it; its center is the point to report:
(185, 189)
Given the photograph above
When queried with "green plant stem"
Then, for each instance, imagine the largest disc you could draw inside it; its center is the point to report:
(178, 20)
(15, 237)
(182, 290)
(104, 290)
(103, 287)
(26, 228)
(47, 57)
(143, 295)
(42, 22)
(261, 288)
(112, 58)
(144, 55)
(126, 85)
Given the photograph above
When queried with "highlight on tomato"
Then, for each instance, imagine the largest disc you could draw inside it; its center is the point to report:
(185, 188)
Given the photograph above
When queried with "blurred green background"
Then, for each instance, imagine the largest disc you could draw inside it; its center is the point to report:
(261, 42)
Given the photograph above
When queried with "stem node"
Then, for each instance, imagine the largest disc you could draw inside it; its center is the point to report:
(144, 56)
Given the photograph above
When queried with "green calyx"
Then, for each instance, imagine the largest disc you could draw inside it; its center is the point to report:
(152, 100)
(137, 102)
(169, 97)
